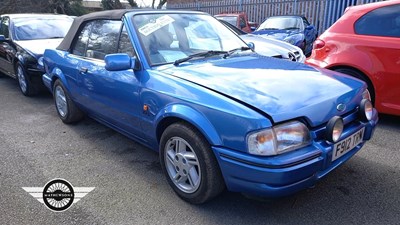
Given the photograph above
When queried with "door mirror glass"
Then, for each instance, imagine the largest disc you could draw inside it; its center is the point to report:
(121, 61)
(2, 38)
(309, 27)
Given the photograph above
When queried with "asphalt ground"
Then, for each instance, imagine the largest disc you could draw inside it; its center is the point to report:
(130, 188)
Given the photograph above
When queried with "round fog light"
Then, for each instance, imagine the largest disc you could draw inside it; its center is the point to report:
(334, 129)
(366, 110)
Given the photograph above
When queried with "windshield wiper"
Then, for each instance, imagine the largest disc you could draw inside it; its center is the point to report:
(230, 52)
(200, 54)
(292, 28)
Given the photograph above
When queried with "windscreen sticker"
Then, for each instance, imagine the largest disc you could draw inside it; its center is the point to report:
(156, 24)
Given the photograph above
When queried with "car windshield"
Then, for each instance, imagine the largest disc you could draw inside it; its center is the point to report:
(41, 28)
(281, 23)
(230, 19)
(167, 38)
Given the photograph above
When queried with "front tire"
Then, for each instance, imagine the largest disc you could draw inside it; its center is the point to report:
(66, 108)
(189, 164)
(24, 83)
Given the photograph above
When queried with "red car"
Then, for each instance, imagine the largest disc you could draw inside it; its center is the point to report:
(365, 43)
(238, 20)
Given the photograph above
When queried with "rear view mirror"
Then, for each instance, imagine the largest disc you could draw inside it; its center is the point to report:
(121, 61)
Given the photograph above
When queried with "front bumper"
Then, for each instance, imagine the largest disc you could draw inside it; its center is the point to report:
(285, 174)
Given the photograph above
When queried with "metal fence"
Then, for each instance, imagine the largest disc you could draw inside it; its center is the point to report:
(321, 13)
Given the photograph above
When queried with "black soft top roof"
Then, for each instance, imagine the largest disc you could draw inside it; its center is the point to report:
(117, 14)
(109, 14)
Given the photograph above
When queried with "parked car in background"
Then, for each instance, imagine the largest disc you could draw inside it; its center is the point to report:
(222, 117)
(23, 39)
(365, 43)
(293, 29)
(268, 46)
(238, 20)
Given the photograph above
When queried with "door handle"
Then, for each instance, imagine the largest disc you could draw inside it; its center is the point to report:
(83, 70)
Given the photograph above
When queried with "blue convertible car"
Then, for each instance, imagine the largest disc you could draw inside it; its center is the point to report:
(220, 115)
(293, 29)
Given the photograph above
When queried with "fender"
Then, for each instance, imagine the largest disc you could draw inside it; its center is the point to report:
(49, 78)
(192, 116)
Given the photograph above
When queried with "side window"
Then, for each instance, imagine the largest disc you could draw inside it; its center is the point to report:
(242, 22)
(125, 44)
(384, 21)
(305, 22)
(80, 45)
(103, 39)
(4, 27)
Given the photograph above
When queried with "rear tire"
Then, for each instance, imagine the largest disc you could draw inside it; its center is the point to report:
(66, 108)
(358, 75)
(189, 164)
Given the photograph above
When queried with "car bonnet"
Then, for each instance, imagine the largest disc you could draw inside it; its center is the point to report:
(282, 89)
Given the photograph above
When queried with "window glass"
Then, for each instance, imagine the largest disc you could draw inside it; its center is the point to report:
(103, 39)
(4, 27)
(166, 38)
(230, 19)
(125, 44)
(384, 21)
(242, 22)
(41, 28)
(281, 23)
(80, 44)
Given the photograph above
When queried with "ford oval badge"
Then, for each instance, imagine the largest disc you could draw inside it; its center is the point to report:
(341, 107)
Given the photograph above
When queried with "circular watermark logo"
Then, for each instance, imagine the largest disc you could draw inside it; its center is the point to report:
(58, 195)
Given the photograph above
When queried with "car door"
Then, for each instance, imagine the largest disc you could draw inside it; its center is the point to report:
(110, 96)
(379, 38)
(6, 48)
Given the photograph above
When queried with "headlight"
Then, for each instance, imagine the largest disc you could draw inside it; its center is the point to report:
(279, 139)
(290, 40)
(366, 95)
(40, 62)
(366, 110)
(334, 129)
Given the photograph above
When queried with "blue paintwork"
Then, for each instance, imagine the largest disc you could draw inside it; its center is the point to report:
(306, 33)
(225, 99)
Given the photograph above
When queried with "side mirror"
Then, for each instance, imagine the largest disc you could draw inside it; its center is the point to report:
(121, 61)
(2, 38)
(309, 27)
(251, 45)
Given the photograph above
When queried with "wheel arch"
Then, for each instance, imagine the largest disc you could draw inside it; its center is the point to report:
(57, 74)
(363, 74)
(183, 113)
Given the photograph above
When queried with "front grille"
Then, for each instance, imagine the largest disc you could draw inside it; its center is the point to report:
(349, 118)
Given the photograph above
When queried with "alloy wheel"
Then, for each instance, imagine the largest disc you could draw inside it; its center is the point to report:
(182, 165)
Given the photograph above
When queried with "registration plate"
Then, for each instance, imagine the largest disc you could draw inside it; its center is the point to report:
(347, 144)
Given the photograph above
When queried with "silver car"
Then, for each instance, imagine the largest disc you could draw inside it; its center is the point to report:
(269, 47)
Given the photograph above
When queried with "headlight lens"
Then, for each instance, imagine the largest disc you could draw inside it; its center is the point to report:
(366, 95)
(290, 40)
(334, 129)
(366, 110)
(40, 62)
(279, 139)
